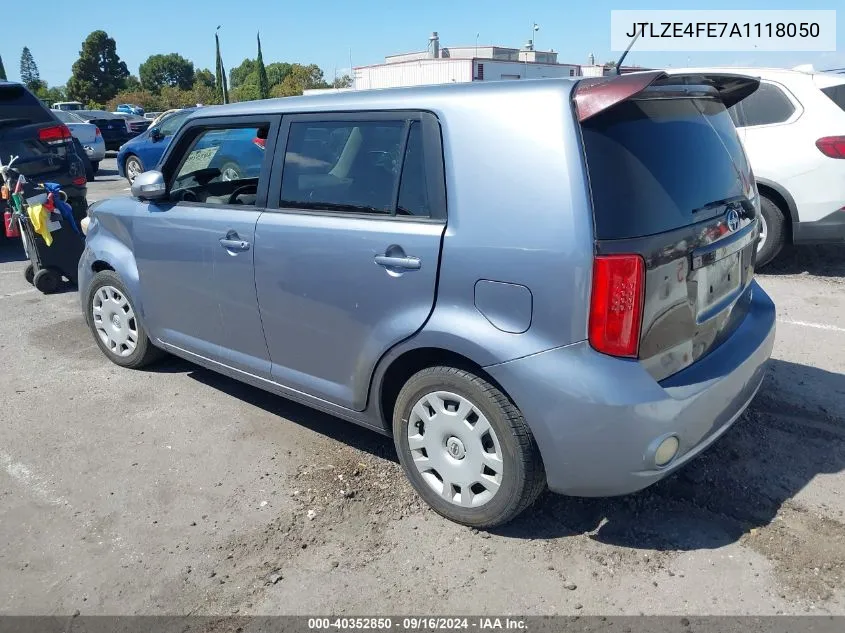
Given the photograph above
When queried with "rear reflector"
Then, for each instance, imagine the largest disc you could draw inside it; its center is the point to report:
(54, 134)
(833, 146)
(616, 304)
(79, 181)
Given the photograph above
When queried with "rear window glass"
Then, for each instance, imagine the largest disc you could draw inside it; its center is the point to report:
(20, 107)
(767, 105)
(654, 163)
(836, 94)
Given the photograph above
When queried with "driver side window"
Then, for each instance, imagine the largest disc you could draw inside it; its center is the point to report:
(221, 166)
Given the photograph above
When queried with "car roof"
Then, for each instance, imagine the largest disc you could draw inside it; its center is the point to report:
(438, 96)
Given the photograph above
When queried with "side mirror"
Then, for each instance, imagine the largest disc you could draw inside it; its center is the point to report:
(149, 185)
(156, 135)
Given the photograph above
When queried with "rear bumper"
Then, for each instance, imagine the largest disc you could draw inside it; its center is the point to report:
(830, 229)
(97, 150)
(598, 419)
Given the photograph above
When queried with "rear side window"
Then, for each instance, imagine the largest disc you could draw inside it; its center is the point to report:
(19, 107)
(369, 166)
(836, 94)
(654, 164)
(766, 105)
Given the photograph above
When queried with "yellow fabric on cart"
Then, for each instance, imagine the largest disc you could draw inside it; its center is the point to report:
(38, 217)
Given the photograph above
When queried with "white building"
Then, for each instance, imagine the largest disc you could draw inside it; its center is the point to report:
(461, 64)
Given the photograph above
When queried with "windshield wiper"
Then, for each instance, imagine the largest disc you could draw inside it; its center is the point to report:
(8, 122)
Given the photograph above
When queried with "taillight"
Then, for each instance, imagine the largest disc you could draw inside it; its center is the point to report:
(54, 134)
(616, 304)
(97, 131)
(79, 181)
(833, 146)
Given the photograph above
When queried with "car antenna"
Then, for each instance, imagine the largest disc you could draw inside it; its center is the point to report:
(625, 54)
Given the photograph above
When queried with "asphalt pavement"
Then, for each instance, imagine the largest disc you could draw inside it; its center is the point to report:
(175, 490)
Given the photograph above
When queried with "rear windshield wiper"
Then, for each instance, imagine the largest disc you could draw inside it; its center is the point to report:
(718, 203)
(10, 122)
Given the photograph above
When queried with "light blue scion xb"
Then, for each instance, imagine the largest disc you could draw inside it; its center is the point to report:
(526, 283)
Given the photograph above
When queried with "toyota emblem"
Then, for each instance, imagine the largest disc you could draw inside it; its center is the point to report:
(733, 220)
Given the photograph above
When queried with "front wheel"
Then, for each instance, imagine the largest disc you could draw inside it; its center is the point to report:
(466, 448)
(113, 321)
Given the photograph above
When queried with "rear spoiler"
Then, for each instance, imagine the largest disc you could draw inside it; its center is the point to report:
(597, 94)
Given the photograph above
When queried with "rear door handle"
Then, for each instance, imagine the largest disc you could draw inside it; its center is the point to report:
(408, 263)
(234, 244)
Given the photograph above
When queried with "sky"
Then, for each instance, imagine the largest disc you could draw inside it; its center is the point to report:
(333, 33)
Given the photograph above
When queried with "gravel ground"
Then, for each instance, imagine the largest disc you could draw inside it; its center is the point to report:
(176, 491)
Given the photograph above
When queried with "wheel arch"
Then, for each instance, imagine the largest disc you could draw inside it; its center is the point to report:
(394, 372)
(782, 199)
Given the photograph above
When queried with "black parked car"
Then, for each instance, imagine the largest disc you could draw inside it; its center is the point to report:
(44, 146)
(113, 128)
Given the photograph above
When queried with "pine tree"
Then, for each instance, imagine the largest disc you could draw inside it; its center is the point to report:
(263, 83)
(2, 70)
(222, 87)
(30, 76)
(98, 74)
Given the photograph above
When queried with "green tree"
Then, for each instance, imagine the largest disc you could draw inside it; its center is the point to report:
(2, 70)
(166, 70)
(51, 95)
(30, 77)
(276, 73)
(344, 81)
(220, 73)
(132, 83)
(263, 82)
(299, 79)
(204, 78)
(98, 74)
(239, 75)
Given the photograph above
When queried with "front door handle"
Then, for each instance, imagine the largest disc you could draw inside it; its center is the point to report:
(408, 263)
(234, 244)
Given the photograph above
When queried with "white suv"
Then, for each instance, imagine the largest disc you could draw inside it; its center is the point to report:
(793, 130)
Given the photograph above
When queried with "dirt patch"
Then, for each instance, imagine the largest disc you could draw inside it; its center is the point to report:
(808, 550)
(342, 502)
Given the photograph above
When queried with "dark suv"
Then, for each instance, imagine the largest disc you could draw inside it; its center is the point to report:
(44, 146)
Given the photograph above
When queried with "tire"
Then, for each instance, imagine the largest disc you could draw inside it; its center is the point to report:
(511, 448)
(29, 274)
(132, 167)
(96, 166)
(230, 171)
(774, 223)
(46, 280)
(115, 341)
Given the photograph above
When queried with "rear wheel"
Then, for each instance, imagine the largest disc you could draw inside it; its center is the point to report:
(46, 280)
(96, 166)
(132, 167)
(772, 232)
(466, 448)
(29, 273)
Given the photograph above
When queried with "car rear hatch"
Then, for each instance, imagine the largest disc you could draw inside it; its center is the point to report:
(136, 126)
(113, 129)
(28, 130)
(675, 213)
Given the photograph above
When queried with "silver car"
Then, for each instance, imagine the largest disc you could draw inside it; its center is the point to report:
(87, 134)
(525, 283)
